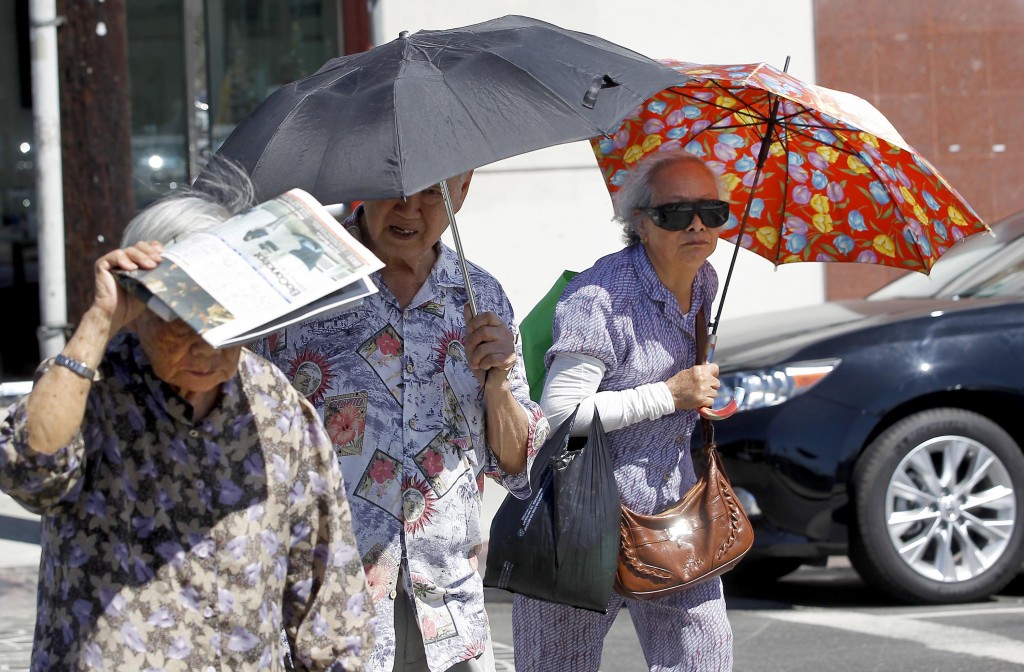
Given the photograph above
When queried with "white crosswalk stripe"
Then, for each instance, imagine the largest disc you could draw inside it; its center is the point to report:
(912, 627)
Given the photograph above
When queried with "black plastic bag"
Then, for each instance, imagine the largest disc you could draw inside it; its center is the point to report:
(562, 543)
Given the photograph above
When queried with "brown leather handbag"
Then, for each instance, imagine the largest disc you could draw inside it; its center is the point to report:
(701, 536)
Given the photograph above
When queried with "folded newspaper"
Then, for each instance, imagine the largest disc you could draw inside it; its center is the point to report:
(284, 260)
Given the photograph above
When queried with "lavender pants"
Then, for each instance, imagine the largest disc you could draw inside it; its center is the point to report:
(684, 632)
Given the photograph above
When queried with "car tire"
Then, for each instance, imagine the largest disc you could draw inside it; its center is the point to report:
(946, 486)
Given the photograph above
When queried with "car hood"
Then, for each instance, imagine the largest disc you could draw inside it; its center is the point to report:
(770, 338)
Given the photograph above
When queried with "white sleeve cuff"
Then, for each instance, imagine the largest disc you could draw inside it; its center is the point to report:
(573, 380)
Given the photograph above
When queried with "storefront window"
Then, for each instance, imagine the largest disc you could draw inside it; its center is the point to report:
(255, 47)
(156, 66)
(196, 67)
(19, 274)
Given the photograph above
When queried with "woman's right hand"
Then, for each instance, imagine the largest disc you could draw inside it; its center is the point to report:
(56, 406)
(111, 299)
(695, 387)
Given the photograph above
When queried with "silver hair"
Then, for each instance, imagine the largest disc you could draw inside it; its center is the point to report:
(637, 190)
(224, 191)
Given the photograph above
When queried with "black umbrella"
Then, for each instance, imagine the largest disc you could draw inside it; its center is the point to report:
(408, 114)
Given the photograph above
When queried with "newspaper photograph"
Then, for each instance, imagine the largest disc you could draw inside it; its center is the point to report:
(280, 262)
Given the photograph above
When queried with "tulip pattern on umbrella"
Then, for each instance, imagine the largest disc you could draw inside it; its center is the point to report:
(838, 183)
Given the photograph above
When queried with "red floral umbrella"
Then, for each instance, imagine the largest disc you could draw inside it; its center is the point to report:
(812, 174)
(834, 182)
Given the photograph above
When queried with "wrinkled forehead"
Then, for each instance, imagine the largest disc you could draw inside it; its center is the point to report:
(683, 181)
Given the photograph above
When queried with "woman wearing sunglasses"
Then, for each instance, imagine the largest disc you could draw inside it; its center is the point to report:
(624, 342)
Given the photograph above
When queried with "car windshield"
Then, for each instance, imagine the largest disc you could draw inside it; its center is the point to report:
(1004, 278)
(981, 266)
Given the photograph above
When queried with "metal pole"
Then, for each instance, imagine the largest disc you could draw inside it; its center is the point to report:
(43, 21)
(458, 248)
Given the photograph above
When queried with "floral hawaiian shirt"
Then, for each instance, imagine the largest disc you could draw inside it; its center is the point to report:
(173, 544)
(406, 417)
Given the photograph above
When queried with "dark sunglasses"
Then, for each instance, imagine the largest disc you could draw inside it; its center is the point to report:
(679, 216)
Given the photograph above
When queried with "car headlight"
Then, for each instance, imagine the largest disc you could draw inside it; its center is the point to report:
(771, 387)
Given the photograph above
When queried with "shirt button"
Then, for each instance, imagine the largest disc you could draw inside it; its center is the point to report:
(208, 612)
(679, 440)
(211, 668)
(412, 423)
(193, 433)
(200, 484)
(409, 366)
(394, 594)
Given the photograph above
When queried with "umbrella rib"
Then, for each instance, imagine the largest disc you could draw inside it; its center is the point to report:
(801, 131)
(896, 210)
(746, 109)
(749, 109)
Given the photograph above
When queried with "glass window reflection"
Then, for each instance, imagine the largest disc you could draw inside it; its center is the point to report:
(256, 47)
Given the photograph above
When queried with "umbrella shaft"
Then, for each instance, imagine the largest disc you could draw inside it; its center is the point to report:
(470, 297)
(762, 156)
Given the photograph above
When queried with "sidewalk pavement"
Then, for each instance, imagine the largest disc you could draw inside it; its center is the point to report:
(19, 567)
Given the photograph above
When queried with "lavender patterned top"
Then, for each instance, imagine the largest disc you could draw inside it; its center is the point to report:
(406, 417)
(618, 311)
(170, 544)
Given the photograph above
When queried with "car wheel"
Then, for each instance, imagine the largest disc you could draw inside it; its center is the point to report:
(939, 499)
(752, 573)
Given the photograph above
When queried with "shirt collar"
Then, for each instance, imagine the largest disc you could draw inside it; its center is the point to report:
(649, 279)
(133, 368)
(657, 291)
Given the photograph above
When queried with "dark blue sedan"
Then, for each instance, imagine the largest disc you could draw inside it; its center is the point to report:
(888, 429)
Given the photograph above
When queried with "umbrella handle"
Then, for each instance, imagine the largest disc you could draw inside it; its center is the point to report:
(724, 412)
(734, 403)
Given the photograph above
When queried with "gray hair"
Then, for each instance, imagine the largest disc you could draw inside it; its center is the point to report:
(637, 190)
(224, 190)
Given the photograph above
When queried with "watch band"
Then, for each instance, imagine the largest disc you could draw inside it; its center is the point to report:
(79, 368)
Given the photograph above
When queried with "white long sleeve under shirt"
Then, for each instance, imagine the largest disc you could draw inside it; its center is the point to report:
(574, 378)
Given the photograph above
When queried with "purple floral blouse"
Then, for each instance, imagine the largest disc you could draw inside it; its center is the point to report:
(173, 544)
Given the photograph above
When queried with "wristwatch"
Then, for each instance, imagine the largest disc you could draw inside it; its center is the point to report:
(77, 367)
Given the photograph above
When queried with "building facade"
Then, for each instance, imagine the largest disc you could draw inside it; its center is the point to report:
(944, 73)
(196, 67)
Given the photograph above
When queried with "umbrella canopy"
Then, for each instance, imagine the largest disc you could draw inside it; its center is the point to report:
(398, 118)
(812, 174)
(818, 175)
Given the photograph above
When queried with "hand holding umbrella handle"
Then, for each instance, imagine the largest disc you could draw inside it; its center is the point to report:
(734, 403)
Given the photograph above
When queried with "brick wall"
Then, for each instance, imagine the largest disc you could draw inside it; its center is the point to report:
(949, 75)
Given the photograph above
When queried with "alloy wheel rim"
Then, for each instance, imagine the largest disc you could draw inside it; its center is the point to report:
(950, 509)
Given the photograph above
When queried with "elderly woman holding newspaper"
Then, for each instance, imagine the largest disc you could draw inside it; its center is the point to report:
(193, 510)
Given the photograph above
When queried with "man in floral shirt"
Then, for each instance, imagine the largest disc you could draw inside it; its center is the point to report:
(420, 400)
